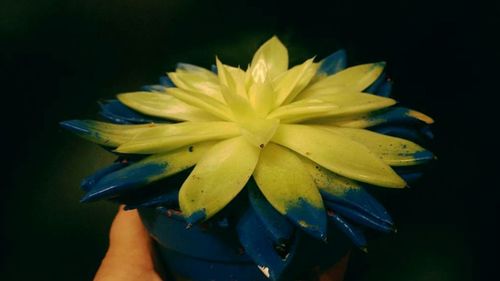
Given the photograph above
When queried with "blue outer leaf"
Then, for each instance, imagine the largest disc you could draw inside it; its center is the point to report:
(411, 177)
(188, 67)
(153, 88)
(166, 82)
(373, 88)
(333, 63)
(413, 134)
(392, 116)
(88, 182)
(117, 112)
(427, 132)
(123, 180)
(359, 217)
(277, 225)
(259, 245)
(385, 89)
(354, 233)
(411, 173)
(360, 200)
(167, 198)
(213, 68)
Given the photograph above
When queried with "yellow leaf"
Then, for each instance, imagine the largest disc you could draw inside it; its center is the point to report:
(292, 82)
(171, 136)
(289, 188)
(270, 60)
(356, 78)
(203, 82)
(164, 106)
(261, 96)
(393, 151)
(337, 153)
(106, 134)
(201, 101)
(217, 178)
(338, 105)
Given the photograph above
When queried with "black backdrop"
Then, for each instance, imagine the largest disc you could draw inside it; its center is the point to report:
(59, 57)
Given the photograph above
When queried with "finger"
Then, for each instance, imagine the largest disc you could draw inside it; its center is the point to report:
(129, 256)
(128, 238)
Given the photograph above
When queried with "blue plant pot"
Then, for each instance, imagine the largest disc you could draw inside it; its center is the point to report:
(199, 253)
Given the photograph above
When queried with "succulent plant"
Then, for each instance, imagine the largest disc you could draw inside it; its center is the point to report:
(303, 142)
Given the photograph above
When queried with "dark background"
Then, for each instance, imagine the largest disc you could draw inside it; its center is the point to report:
(59, 57)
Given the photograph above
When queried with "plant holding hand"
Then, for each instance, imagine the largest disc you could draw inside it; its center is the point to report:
(130, 255)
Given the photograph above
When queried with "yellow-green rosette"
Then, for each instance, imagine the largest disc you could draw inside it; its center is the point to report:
(303, 141)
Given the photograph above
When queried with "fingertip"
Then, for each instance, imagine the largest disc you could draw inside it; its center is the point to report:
(127, 227)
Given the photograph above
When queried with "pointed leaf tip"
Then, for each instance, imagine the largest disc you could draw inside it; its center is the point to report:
(84, 199)
(352, 232)
(90, 181)
(89, 197)
(127, 179)
(333, 63)
(75, 126)
(271, 59)
(359, 217)
(423, 155)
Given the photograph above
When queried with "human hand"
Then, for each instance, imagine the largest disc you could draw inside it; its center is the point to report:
(129, 256)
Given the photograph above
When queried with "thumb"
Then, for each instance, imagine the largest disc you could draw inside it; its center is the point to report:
(129, 256)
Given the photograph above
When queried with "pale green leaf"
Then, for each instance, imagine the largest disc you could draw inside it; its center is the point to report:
(301, 110)
(201, 101)
(289, 188)
(181, 158)
(270, 60)
(356, 78)
(377, 118)
(164, 106)
(232, 88)
(292, 82)
(337, 153)
(233, 78)
(262, 97)
(393, 151)
(328, 181)
(106, 134)
(217, 178)
(171, 136)
(338, 105)
(201, 81)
